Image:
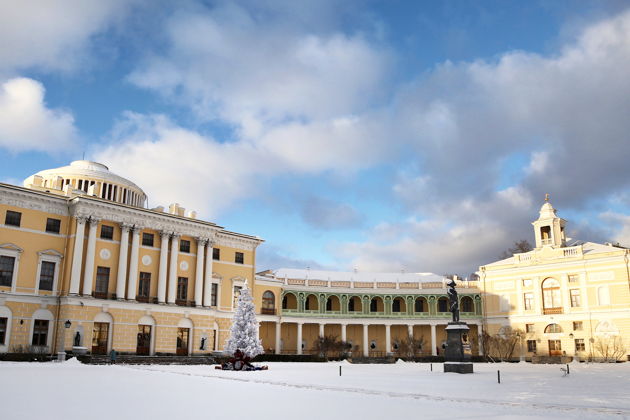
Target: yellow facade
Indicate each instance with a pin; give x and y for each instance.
(97, 265)
(566, 298)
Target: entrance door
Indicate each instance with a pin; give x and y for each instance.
(144, 340)
(100, 335)
(555, 349)
(182, 341)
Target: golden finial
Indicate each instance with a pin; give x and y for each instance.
(547, 197)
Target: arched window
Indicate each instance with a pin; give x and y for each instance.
(553, 329)
(398, 305)
(268, 303)
(552, 299)
(376, 304)
(442, 304)
(467, 304)
(354, 304)
(332, 303)
(310, 304)
(289, 301)
(420, 305)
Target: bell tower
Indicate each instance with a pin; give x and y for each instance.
(549, 228)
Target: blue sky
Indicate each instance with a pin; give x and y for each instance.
(381, 135)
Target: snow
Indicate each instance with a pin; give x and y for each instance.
(313, 391)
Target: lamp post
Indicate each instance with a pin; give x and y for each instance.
(61, 356)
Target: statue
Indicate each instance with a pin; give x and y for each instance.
(203, 343)
(77, 339)
(452, 300)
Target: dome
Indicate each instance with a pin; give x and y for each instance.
(89, 177)
(547, 211)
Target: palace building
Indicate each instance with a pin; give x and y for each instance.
(565, 297)
(373, 312)
(85, 266)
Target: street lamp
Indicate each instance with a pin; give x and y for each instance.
(61, 356)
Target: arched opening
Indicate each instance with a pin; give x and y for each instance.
(289, 301)
(184, 337)
(333, 304)
(553, 329)
(41, 329)
(376, 304)
(354, 304)
(102, 333)
(268, 303)
(442, 304)
(420, 305)
(552, 299)
(467, 304)
(398, 305)
(310, 303)
(146, 336)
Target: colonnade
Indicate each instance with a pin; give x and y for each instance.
(365, 336)
(127, 277)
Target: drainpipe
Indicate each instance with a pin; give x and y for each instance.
(62, 270)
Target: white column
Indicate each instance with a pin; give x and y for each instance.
(88, 274)
(299, 338)
(366, 349)
(278, 336)
(121, 278)
(343, 333)
(77, 257)
(480, 338)
(163, 267)
(172, 274)
(433, 341)
(133, 264)
(207, 282)
(321, 330)
(199, 274)
(410, 331)
(388, 339)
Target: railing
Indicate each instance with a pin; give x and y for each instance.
(571, 252)
(268, 311)
(552, 311)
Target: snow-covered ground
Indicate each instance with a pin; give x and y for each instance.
(305, 391)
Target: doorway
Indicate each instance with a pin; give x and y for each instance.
(183, 335)
(100, 334)
(143, 346)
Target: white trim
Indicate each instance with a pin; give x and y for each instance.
(44, 314)
(149, 320)
(106, 318)
(49, 255)
(5, 312)
(233, 263)
(41, 232)
(12, 250)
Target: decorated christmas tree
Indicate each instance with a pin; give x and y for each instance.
(244, 330)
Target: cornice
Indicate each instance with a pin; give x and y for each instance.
(25, 199)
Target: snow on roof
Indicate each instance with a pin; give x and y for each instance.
(358, 276)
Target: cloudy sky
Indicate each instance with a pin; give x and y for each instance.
(381, 135)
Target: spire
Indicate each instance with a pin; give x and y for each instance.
(549, 228)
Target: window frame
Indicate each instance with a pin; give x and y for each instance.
(528, 301)
(51, 256)
(580, 344)
(50, 223)
(146, 241)
(4, 329)
(216, 254)
(12, 250)
(11, 273)
(144, 283)
(182, 289)
(99, 280)
(531, 346)
(214, 294)
(239, 257)
(38, 330)
(109, 236)
(184, 246)
(578, 326)
(11, 216)
(575, 297)
(530, 328)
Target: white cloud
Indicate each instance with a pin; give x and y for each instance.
(27, 124)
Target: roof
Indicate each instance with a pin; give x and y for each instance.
(357, 276)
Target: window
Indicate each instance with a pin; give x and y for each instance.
(554, 347)
(575, 298)
(396, 305)
(184, 246)
(216, 254)
(239, 258)
(531, 346)
(53, 225)
(182, 288)
(529, 328)
(40, 332)
(528, 301)
(3, 329)
(144, 286)
(527, 282)
(578, 326)
(46, 275)
(147, 239)
(574, 278)
(442, 304)
(579, 344)
(107, 232)
(552, 329)
(213, 295)
(373, 305)
(7, 265)
(268, 303)
(328, 304)
(13, 218)
(237, 294)
(419, 305)
(467, 304)
(551, 294)
(102, 280)
(351, 305)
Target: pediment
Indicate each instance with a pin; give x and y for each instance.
(11, 247)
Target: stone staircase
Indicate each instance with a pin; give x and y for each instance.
(147, 360)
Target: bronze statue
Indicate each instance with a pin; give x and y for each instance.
(77, 339)
(452, 300)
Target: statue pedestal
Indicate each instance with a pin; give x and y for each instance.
(457, 355)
